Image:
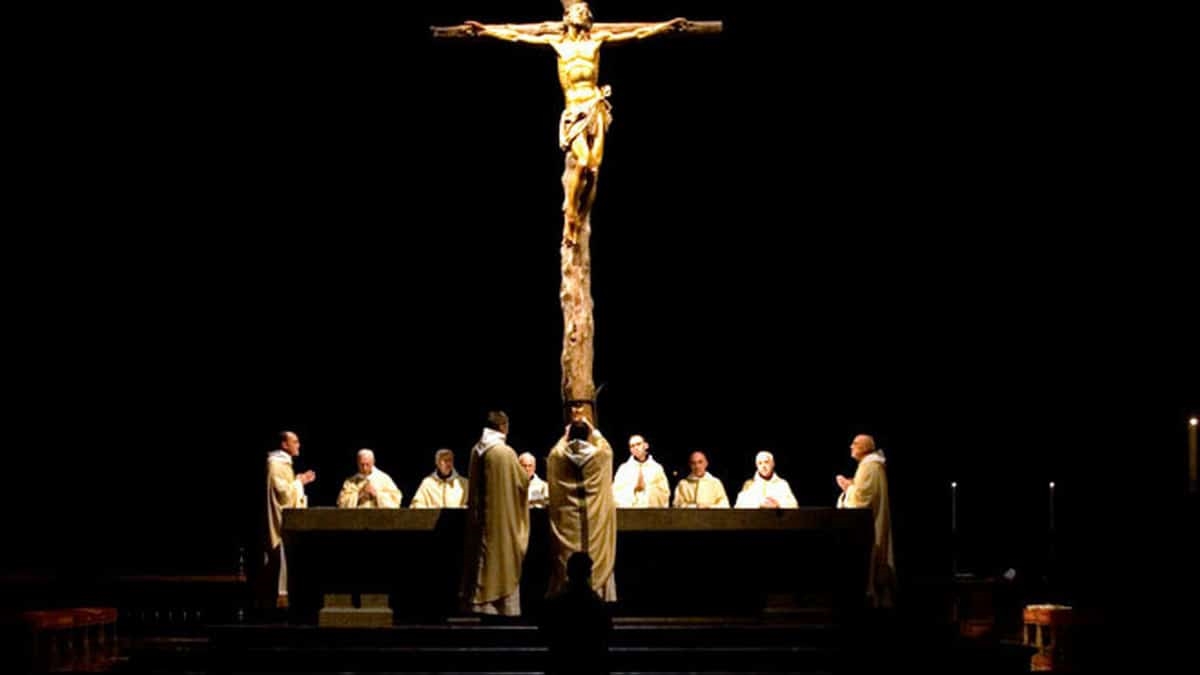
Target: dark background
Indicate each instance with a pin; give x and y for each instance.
(955, 229)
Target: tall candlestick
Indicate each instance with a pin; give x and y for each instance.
(1192, 424)
(1051, 507)
(954, 528)
(953, 507)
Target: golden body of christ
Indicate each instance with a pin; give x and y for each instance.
(586, 110)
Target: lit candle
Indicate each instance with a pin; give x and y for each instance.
(1052, 506)
(953, 507)
(1192, 424)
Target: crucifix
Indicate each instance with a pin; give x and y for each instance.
(586, 115)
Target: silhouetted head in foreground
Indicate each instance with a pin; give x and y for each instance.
(579, 569)
(576, 624)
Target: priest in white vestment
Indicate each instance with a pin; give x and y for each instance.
(766, 490)
(445, 488)
(641, 482)
(701, 489)
(869, 490)
(285, 490)
(370, 488)
(539, 491)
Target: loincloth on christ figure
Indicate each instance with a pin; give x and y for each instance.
(583, 118)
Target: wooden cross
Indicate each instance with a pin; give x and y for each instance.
(576, 41)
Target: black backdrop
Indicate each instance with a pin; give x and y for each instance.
(947, 228)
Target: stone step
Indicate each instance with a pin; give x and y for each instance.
(479, 635)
